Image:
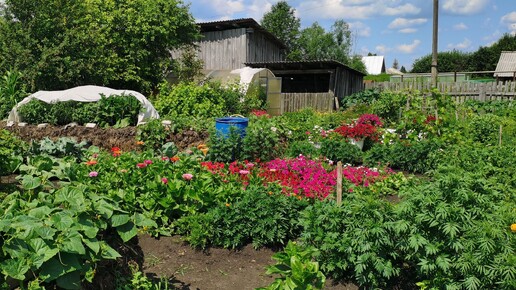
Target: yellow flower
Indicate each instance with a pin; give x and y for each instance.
(513, 228)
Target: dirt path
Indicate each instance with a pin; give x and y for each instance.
(218, 269)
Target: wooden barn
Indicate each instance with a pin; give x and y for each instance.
(231, 43)
(317, 84)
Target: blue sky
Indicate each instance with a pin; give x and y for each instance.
(397, 29)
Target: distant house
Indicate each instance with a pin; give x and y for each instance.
(229, 44)
(321, 81)
(506, 67)
(233, 44)
(375, 65)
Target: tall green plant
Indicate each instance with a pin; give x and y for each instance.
(12, 91)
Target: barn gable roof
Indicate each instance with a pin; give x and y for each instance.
(506, 64)
(375, 65)
(239, 23)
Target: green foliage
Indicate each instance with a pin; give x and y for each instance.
(486, 57)
(384, 77)
(353, 239)
(282, 22)
(108, 111)
(139, 281)
(262, 140)
(296, 269)
(303, 147)
(11, 150)
(455, 230)
(259, 216)
(414, 156)
(57, 237)
(485, 129)
(11, 92)
(315, 43)
(225, 148)
(205, 101)
(118, 44)
(153, 134)
(188, 67)
(63, 146)
(389, 105)
(337, 148)
(362, 97)
(448, 61)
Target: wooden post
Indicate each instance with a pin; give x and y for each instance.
(500, 137)
(339, 182)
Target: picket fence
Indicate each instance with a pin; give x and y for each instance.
(459, 91)
(321, 102)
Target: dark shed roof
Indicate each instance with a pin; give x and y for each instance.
(301, 65)
(239, 23)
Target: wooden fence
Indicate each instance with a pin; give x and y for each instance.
(460, 91)
(292, 102)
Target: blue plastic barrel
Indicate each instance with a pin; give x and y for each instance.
(223, 125)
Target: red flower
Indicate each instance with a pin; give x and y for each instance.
(141, 165)
(116, 151)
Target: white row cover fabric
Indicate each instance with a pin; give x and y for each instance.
(86, 94)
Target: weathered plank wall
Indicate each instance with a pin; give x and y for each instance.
(262, 49)
(460, 91)
(347, 82)
(292, 102)
(224, 49)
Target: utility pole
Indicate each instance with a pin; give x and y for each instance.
(434, 44)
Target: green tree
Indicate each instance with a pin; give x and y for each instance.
(448, 61)
(282, 22)
(486, 57)
(122, 44)
(357, 63)
(188, 66)
(403, 69)
(316, 43)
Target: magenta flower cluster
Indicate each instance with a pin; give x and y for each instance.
(300, 176)
(364, 176)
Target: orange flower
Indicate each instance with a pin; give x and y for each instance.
(91, 162)
(116, 151)
(174, 159)
(228, 204)
(513, 228)
(140, 142)
(204, 150)
(201, 146)
(270, 192)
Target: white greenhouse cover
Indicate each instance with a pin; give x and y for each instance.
(86, 94)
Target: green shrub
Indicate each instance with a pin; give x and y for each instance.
(63, 146)
(337, 148)
(204, 101)
(262, 140)
(305, 148)
(456, 230)
(11, 92)
(485, 128)
(153, 134)
(108, 111)
(11, 150)
(260, 217)
(296, 268)
(389, 105)
(225, 148)
(410, 155)
(362, 97)
(354, 239)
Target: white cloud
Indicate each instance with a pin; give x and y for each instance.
(510, 21)
(407, 30)
(464, 45)
(409, 48)
(460, 26)
(353, 9)
(382, 49)
(226, 7)
(405, 23)
(360, 29)
(464, 7)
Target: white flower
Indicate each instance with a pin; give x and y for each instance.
(274, 129)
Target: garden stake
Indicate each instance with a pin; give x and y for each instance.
(339, 182)
(500, 137)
